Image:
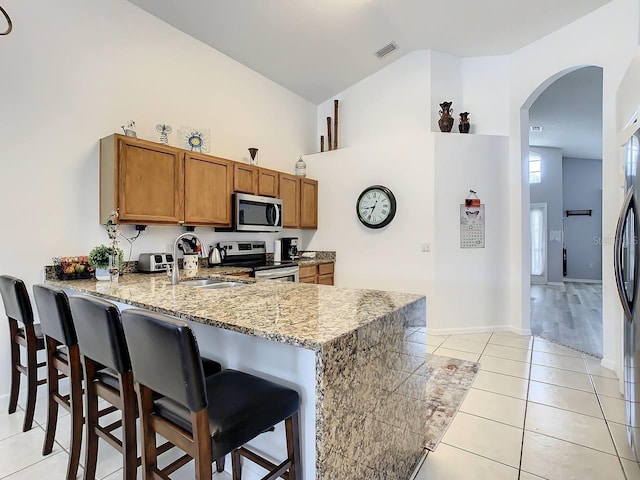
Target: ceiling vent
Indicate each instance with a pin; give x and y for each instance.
(536, 128)
(386, 50)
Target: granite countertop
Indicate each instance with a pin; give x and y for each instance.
(305, 315)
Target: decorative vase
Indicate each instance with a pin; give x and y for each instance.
(464, 125)
(253, 152)
(446, 120)
(102, 274)
(301, 168)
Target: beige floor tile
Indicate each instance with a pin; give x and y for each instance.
(473, 337)
(417, 337)
(573, 427)
(510, 353)
(470, 433)
(20, 451)
(559, 460)
(494, 406)
(511, 341)
(607, 386)
(529, 476)
(565, 398)
(559, 361)
(51, 466)
(447, 352)
(563, 378)
(541, 345)
(456, 343)
(11, 424)
(512, 334)
(450, 463)
(435, 340)
(594, 367)
(504, 366)
(431, 348)
(619, 433)
(614, 409)
(503, 384)
(631, 468)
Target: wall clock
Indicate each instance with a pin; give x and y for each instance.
(376, 206)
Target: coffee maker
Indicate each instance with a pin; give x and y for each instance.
(289, 248)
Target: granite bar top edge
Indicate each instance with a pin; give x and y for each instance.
(302, 315)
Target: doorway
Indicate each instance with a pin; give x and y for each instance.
(565, 196)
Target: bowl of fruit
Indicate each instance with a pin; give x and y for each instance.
(72, 268)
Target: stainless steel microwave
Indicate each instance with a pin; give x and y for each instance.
(253, 213)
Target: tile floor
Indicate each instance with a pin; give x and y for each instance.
(537, 410)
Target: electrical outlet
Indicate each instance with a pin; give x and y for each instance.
(426, 247)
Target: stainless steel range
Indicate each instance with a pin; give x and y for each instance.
(253, 254)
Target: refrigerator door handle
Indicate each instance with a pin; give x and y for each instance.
(627, 304)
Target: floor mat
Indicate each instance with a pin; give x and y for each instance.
(449, 382)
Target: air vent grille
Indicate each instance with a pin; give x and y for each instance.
(386, 50)
(536, 128)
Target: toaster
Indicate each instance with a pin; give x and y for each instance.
(154, 262)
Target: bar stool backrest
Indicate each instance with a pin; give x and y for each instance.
(99, 330)
(55, 314)
(165, 357)
(16, 299)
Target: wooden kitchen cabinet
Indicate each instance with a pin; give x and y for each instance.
(142, 180)
(267, 182)
(245, 178)
(208, 186)
(308, 203)
(289, 187)
(320, 274)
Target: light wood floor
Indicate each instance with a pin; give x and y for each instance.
(570, 314)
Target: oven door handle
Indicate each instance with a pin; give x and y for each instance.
(276, 273)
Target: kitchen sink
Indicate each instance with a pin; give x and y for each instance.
(211, 283)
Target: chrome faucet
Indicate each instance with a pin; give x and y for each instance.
(175, 275)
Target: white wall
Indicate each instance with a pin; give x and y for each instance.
(469, 283)
(608, 38)
(393, 101)
(446, 86)
(75, 71)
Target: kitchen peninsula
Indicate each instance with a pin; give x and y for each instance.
(344, 350)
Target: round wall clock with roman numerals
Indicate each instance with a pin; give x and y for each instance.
(376, 206)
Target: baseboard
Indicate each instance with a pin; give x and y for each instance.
(487, 329)
(581, 280)
(555, 284)
(606, 363)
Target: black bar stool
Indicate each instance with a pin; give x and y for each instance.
(206, 418)
(18, 308)
(107, 373)
(63, 360)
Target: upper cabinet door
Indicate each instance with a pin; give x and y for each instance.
(245, 178)
(149, 182)
(267, 182)
(208, 186)
(308, 203)
(290, 196)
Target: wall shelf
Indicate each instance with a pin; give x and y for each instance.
(577, 213)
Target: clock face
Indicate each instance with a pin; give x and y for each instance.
(376, 206)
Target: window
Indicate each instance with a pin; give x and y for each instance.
(535, 168)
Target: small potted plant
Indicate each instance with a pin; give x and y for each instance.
(100, 257)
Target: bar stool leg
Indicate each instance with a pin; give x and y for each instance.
(236, 466)
(77, 419)
(15, 361)
(292, 429)
(129, 448)
(91, 420)
(52, 388)
(32, 384)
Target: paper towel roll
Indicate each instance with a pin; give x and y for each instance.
(277, 251)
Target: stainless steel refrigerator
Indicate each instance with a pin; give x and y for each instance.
(626, 262)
